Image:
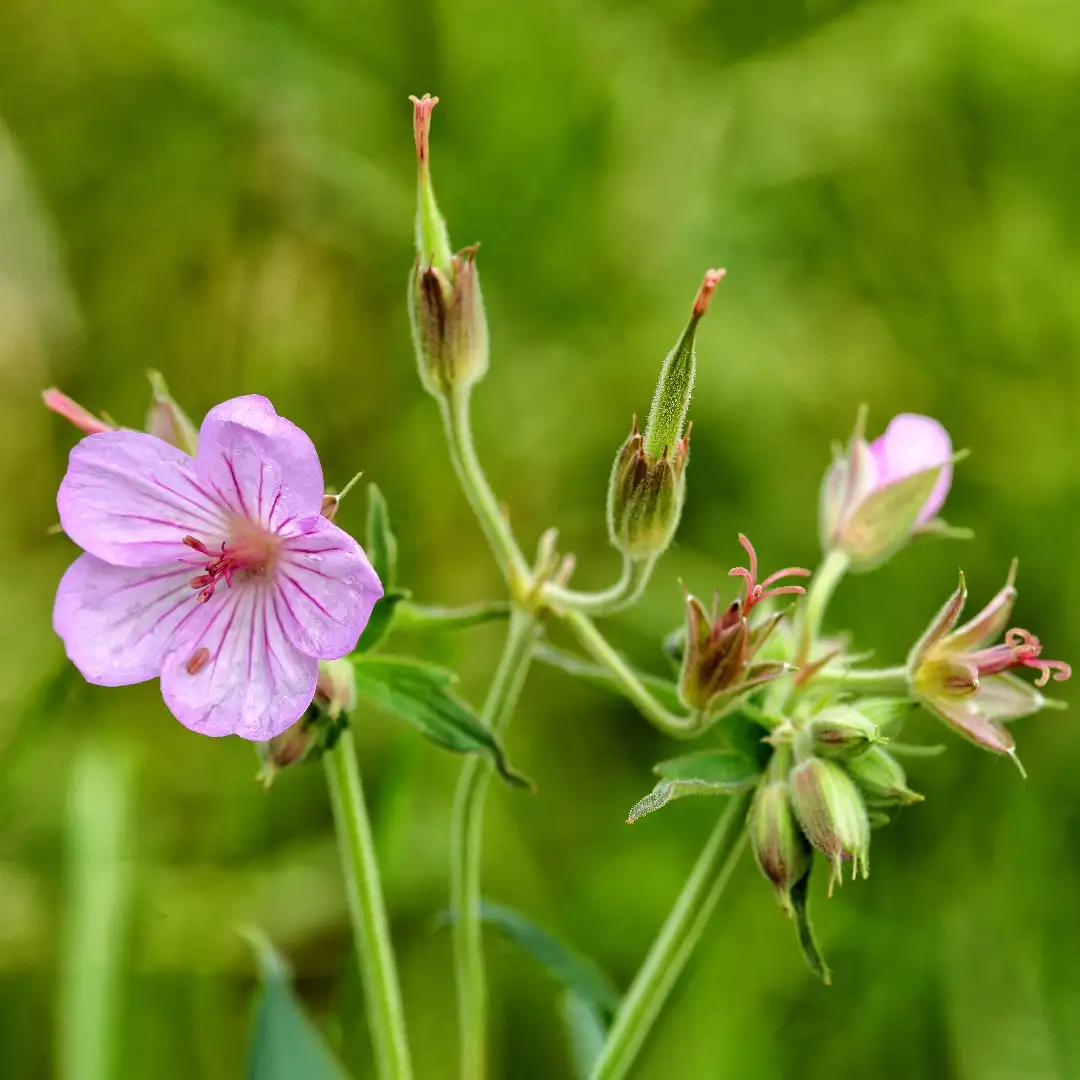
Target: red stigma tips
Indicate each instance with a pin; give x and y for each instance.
(708, 286)
(422, 108)
(197, 660)
(756, 592)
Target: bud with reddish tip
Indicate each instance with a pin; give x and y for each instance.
(671, 402)
(73, 412)
(167, 420)
(832, 813)
(446, 308)
(961, 676)
(719, 665)
(781, 850)
(877, 495)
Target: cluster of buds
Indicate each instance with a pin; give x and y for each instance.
(877, 495)
(719, 663)
(648, 479)
(840, 782)
(446, 309)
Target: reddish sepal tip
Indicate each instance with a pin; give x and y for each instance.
(708, 286)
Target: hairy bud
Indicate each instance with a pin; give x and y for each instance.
(832, 813)
(841, 733)
(167, 420)
(779, 846)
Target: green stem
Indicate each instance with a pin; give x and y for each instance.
(96, 913)
(626, 591)
(674, 944)
(822, 586)
(455, 412)
(466, 848)
(678, 727)
(371, 930)
(888, 681)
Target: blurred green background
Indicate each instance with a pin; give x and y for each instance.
(224, 191)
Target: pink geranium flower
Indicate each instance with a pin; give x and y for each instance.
(215, 573)
(879, 494)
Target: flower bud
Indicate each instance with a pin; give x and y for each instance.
(882, 779)
(167, 420)
(878, 495)
(319, 728)
(832, 813)
(671, 402)
(449, 328)
(74, 413)
(645, 497)
(841, 733)
(446, 308)
(779, 846)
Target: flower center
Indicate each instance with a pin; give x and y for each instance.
(248, 550)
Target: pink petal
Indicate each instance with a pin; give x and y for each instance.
(130, 498)
(259, 464)
(231, 670)
(327, 589)
(912, 443)
(116, 621)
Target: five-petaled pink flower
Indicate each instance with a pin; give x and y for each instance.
(216, 573)
(878, 494)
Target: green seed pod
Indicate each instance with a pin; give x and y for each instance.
(832, 813)
(882, 778)
(841, 733)
(781, 850)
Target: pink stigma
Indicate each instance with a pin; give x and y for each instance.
(422, 108)
(756, 592)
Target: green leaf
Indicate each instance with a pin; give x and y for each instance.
(664, 690)
(807, 941)
(586, 1031)
(575, 972)
(381, 544)
(708, 772)
(430, 617)
(383, 615)
(419, 694)
(284, 1044)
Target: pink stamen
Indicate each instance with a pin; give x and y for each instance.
(1021, 649)
(755, 592)
(422, 108)
(221, 567)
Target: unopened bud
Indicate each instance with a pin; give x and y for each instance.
(832, 813)
(841, 733)
(292, 747)
(449, 328)
(335, 689)
(780, 848)
(167, 420)
(671, 402)
(645, 497)
(882, 778)
(74, 413)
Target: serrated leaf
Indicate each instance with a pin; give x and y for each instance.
(664, 690)
(708, 772)
(420, 694)
(575, 972)
(284, 1043)
(807, 941)
(586, 1032)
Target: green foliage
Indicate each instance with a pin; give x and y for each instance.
(707, 772)
(284, 1045)
(420, 694)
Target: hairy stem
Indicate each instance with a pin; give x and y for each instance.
(889, 681)
(455, 412)
(678, 727)
(822, 586)
(371, 930)
(674, 944)
(466, 848)
(626, 591)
